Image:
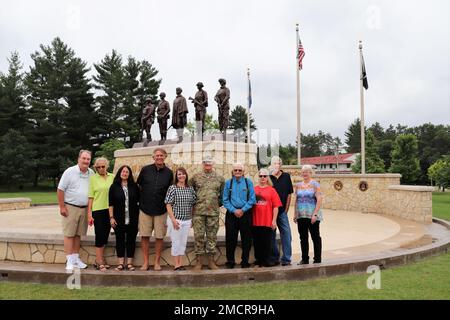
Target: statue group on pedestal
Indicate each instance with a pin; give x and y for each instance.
(180, 111)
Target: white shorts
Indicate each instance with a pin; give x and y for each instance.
(179, 237)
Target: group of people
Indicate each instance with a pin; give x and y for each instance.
(162, 202)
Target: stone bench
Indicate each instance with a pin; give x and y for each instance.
(14, 203)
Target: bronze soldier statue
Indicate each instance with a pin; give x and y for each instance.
(163, 115)
(148, 118)
(179, 114)
(223, 102)
(200, 102)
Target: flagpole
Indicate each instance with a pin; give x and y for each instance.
(299, 143)
(249, 134)
(363, 135)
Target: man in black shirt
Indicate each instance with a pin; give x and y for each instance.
(283, 185)
(153, 180)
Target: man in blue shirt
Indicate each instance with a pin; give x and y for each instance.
(238, 199)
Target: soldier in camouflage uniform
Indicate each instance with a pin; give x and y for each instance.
(209, 188)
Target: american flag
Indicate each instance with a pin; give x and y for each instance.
(300, 54)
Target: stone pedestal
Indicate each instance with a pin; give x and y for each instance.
(189, 154)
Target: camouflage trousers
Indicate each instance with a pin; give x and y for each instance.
(205, 226)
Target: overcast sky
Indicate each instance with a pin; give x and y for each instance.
(406, 50)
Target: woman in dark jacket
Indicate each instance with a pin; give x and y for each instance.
(124, 214)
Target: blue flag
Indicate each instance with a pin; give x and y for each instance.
(249, 94)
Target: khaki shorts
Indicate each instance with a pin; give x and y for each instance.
(75, 224)
(149, 223)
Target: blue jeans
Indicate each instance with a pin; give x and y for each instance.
(286, 239)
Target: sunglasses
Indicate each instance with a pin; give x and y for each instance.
(237, 170)
(262, 176)
(100, 167)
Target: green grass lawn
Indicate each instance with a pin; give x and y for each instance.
(43, 194)
(37, 197)
(441, 205)
(427, 279)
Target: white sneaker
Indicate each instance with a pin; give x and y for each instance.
(69, 265)
(80, 264)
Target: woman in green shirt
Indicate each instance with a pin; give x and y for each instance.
(98, 205)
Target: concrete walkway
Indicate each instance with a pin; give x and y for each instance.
(344, 233)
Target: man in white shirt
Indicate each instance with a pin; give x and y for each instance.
(73, 202)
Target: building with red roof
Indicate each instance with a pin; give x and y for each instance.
(340, 163)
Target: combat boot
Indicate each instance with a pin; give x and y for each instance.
(211, 264)
(198, 266)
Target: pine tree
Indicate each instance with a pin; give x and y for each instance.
(405, 158)
(384, 149)
(311, 146)
(131, 110)
(353, 137)
(315, 145)
(377, 130)
(13, 113)
(374, 164)
(238, 121)
(124, 89)
(141, 76)
(327, 143)
(60, 108)
(17, 157)
(110, 80)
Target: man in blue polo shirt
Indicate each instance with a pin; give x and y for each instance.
(238, 199)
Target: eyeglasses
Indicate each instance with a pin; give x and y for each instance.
(100, 167)
(237, 170)
(262, 176)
